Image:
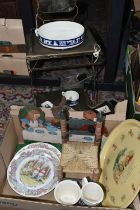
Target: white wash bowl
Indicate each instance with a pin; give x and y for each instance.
(60, 34)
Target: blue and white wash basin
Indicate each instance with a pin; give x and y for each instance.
(60, 34)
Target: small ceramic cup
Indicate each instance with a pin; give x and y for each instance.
(67, 192)
(92, 193)
(71, 96)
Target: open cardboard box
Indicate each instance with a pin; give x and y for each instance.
(11, 30)
(112, 120)
(15, 62)
(8, 198)
(13, 56)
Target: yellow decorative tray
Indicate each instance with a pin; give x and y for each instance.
(120, 163)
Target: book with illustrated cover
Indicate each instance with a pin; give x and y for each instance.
(38, 125)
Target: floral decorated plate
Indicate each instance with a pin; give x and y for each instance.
(120, 163)
(41, 145)
(33, 172)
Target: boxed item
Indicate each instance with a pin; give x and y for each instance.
(10, 199)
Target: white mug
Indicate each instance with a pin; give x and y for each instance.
(92, 193)
(67, 192)
(71, 96)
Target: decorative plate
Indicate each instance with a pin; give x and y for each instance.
(41, 145)
(120, 163)
(60, 34)
(33, 172)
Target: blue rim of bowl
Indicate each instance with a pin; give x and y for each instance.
(61, 43)
(72, 103)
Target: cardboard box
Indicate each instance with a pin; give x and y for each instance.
(14, 63)
(112, 120)
(8, 198)
(11, 30)
(137, 5)
(12, 58)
